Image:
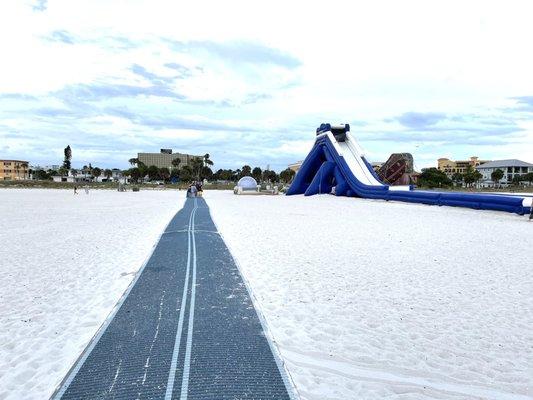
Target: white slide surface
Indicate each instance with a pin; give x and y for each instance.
(354, 165)
(353, 155)
(358, 154)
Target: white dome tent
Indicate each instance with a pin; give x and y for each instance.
(246, 184)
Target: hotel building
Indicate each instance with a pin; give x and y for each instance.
(164, 159)
(13, 170)
(450, 167)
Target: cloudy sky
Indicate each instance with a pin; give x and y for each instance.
(249, 81)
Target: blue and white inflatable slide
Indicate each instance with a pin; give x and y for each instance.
(336, 164)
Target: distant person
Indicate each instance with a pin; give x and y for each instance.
(199, 189)
(191, 191)
(75, 189)
(86, 189)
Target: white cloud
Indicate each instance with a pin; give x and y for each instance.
(359, 61)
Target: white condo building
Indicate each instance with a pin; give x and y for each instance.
(510, 168)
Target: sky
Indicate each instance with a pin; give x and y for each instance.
(248, 82)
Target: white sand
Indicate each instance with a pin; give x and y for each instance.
(366, 299)
(382, 300)
(65, 261)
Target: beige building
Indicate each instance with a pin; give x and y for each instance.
(13, 170)
(450, 167)
(295, 166)
(164, 158)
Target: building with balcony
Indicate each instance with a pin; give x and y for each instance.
(13, 170)
(450, 167)
(511, 169)
(164, 159)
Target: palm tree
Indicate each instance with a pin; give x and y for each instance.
(186, 173)
(176, 162)
(477, 177)
(62, 171)
(457, 178)
(207, 161)
(96, 173)
(496, 176)
(135, 174)
(516, 180)
(85, 171)
(196, 164)
(143, 170)
(133, 161)
(246, 170)
(528, 177)
(286, 175)
(164, 173)
(257, 173)
(68, 157)
(153, 172)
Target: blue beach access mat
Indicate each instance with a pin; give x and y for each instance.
(185, 329)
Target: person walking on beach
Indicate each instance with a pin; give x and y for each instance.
(199, 189)
(86, 189)
(75, 189)
(191, 190)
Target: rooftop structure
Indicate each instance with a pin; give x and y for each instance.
(506, 164)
